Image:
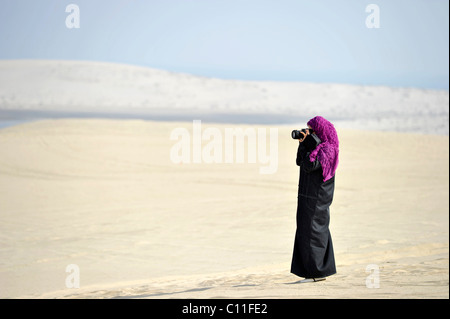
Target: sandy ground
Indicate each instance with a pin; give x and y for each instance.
(104, 195)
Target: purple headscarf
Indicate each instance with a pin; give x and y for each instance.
(326, 152)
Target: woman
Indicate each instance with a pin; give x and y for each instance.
(313, 256)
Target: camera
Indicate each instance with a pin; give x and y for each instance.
(297, 134)
(310, 141)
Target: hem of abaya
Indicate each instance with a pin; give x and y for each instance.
(313, 275)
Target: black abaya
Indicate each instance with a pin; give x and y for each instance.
(313, 255)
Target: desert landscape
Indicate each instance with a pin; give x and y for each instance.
(87, 179)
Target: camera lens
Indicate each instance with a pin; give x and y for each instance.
(296, 134)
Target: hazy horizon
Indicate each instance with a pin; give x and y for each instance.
(320, 42)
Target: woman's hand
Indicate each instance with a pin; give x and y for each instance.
(304, 136)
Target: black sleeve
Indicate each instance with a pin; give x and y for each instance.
(301, 154)
(303, 160)
(309, 166)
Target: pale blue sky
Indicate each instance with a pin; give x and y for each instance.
(290, 40)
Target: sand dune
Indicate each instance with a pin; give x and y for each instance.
(104, 195)
(47, 88)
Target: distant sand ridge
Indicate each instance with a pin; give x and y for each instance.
(39, 88)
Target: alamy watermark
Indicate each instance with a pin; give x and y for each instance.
(227, 147)
(373, 19)
(373, 280)
(73, 19)
(73, 279)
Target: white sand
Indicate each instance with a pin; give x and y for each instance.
(104, 195)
